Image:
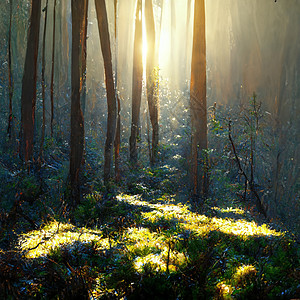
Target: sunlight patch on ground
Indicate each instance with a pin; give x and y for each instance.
(154, 261)
(244, 273)
(158, 262)
(242, 227)
(237, 211)
(142, 239)
(39, 243)
(197, 223)
(152, 250)
(166, 221)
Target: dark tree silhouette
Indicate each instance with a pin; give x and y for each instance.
(77, 122)
(43, 82)
(110, 88)
(84, 57)
(52, 67)
(28, 97)
(118, 129)
(10, 76)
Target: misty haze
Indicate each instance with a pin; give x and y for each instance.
(150, 149)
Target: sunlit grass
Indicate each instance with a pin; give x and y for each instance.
(201, 224)
(154, 261)
(161, 238)
(154, 245)
(40, 242)
(244, 274)
(224, 290)
(152, 249)
(140, 239)
(176, 218)
(237, 211)
(56, 234)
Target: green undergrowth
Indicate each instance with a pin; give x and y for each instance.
(144, 238)
(150, 242)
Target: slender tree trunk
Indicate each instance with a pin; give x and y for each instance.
(137, 81)
(159, 31)
(110, 88)
(10, 76)
(118, 141)
(188, 37)
(61, 63)
(43, 82)
(52, 67)
(174, 64)
(77, 121)
(198, 101)
(152, 78)
(84, 56)
(118, 129)
(28, 97)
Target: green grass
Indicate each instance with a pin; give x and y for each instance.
(159, 248)
(146, 240)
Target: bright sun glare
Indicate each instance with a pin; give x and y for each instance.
(145, 49)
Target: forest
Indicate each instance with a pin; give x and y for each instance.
(149, 149)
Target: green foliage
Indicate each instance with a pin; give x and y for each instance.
(159, 249)
(29, 186)
(89, 211)
(144, 239)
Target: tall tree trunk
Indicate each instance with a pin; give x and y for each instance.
(77, 121)
(152, 77)
(43, 82)
(174, 64)
(117, 143)
(198, 101)
(188, 37)
(62, 61)
(118, 129)
(10, 76)
(28, 97)
(110, 88)
(52, 67)
(137, 81)
(84, 56)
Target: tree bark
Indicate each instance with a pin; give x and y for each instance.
(10, 76)
(118, 129)
(152, 78)
(137, 81)
(84, 57)
(110, 88)
(77, 121)
(28, 96)
(62, 62)
(52, 67)
(43, 82)
(198, 102)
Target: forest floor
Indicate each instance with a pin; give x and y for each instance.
(145, 239)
